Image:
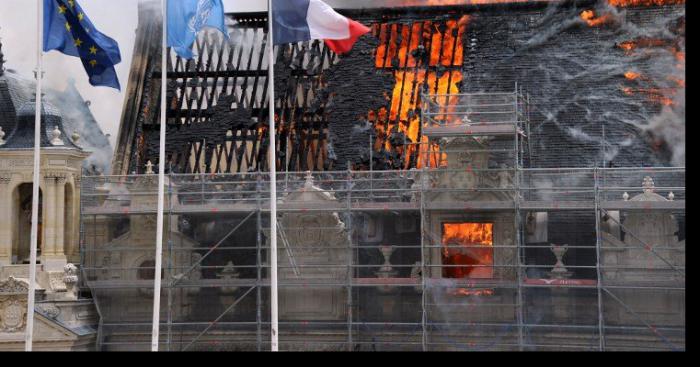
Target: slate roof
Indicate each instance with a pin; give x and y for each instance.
(16, 105)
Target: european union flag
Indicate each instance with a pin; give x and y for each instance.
(68, 30)
(187, 17)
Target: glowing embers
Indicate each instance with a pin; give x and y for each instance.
(465, 292)
(626, 3)
(642, 42)
(593, 20)
(467, 250)
(424, 57)
(654, 89)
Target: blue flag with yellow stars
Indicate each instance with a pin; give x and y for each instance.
(68, 30)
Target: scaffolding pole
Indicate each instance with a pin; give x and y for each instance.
(423, 273)
(258, 262)
(351, 254)
(599, 261)
(519, 248)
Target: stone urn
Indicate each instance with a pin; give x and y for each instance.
(559, 271)
(386, 271)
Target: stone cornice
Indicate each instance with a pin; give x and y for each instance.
(56, 175)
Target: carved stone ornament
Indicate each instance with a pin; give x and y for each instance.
(5, 178)
(56, 137)
(13, 315)
(50, 310)
(648, 185)
(56, 281)
(70, 278)
(13, 286)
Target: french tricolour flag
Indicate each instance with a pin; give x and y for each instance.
(304, 20)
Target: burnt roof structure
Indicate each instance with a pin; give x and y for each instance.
(595, 85)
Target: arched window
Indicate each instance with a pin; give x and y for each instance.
(147, 270)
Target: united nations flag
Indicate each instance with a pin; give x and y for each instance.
(186, 18)
(68, 30)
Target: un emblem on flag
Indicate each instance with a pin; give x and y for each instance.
(204, 8)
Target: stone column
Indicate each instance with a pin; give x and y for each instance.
(6, 223)
(74, 246)
(49, 221)
(52, 256)
(59, 248)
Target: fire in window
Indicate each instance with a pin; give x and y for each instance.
(467, 250)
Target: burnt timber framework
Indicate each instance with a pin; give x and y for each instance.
(218, 111)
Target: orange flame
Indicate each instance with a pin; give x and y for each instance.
(472, 292)
(468, 244)
(446, 49)
(592, 20)
(662, 96)
(626, 3)
(643, 43)
(631, 75)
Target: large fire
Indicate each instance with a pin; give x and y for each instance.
(428, 56)
(468, 244)
(422, 55)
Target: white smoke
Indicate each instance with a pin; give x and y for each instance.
(664, 74)
(115, 19)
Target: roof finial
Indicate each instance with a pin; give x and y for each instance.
(56, 136)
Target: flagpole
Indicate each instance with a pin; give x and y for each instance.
(29, 331)
(161, 181)
(272, 161)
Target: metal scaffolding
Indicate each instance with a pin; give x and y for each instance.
(386, 281)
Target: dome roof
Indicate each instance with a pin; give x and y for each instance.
(28, 109)
(53, 134)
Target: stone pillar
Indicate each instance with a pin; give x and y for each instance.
(59, 248)
(6, 223)
(52, 256)
(73, 247)
(49, 221)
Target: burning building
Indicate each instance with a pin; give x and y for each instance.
(474, 175)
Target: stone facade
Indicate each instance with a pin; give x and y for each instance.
(60, 192)
(62, 320)
(307, 242)
(649, 255)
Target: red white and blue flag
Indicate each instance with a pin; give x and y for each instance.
(304, 20)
